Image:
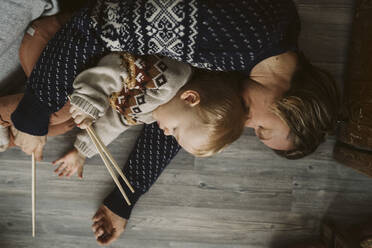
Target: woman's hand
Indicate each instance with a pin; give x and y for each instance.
(29, 143)
(107, 226)
(82, 119)
(70, 163)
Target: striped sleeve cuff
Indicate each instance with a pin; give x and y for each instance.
(85, 106)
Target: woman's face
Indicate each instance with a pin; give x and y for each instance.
(269, 128)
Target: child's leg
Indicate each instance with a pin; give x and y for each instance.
(61, 128)
(61, 121)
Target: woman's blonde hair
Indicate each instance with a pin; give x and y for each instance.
(221, 109)
(310, 108)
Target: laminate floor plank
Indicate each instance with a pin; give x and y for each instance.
(244, 197)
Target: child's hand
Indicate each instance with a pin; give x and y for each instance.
(70, 163)
(82, 119)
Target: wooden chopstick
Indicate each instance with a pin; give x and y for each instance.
(109, 156)
(33, 194)
(103, 152)
(106, 162)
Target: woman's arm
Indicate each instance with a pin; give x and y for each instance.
(217, 35)
(152, 153)
(74, 48)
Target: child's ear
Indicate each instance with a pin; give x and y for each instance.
(191, 97)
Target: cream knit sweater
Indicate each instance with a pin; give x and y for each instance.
(93, 88)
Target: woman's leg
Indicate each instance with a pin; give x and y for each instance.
(36, 38)
(33, 43)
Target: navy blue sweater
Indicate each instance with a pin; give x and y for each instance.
(217, 35)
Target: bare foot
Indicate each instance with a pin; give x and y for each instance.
(107, 226)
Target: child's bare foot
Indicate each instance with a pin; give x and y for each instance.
(70, 163)
(107, 226)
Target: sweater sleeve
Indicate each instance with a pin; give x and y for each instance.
(108, 128)
(93, 87)
(73, 48)
(153, 151)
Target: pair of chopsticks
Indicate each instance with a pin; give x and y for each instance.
(106, 157)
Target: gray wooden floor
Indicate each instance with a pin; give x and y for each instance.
(244, 197)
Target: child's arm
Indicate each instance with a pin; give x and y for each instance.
(108, 128)
(93, 87)
(82, 119)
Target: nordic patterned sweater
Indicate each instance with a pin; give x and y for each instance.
(225, 35)
(217, 35)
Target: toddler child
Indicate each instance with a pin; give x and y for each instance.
(203, 110)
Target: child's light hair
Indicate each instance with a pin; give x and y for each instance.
(221, 109)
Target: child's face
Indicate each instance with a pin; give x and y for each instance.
(179, 118)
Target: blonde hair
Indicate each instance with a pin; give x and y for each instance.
(310, 108)
(221, 109)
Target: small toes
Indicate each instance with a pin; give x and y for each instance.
(58, 161)
(70, 173)
(64, 172)
(60, 168)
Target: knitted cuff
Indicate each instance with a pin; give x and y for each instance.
(85, 106)
(116, 202)
(31, 116)
(84, 148)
